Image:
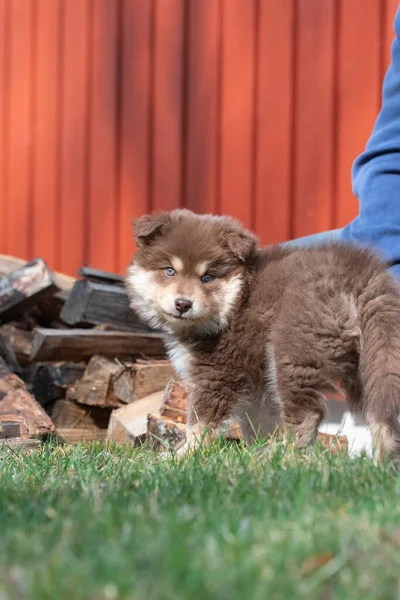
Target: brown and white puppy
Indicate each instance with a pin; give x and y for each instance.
(265, 332)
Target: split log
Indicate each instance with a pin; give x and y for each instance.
(9, 428)
(121, 388)
(20, 341)
(335, 443)
(113, 383)
(175, 402)
(80, 344)
(175, 405)
(163, 433)
(7, 353)
(14, 398)
(150, 376)
(51, 380)
(21, 289)
(50, 307)
(98, 302)
(100, 276)
(234, 432)
(15, 417)
(77, 424)
(129, 424)
(67, 414)
(104, 383)
(80, 436)
(8, 264)
(20, 444)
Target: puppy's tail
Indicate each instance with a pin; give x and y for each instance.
(379, 366)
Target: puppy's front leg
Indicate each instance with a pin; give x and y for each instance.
(197, 435)
(208, 411)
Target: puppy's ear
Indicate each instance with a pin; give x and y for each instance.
(146, 228)
(243, 244)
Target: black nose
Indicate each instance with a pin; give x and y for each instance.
(183, 305)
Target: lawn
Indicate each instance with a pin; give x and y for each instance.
(96, 522)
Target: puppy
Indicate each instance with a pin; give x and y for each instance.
(264, 333)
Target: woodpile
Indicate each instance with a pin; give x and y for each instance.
(76, 363)
(71, 352)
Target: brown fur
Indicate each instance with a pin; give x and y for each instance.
(300, 320)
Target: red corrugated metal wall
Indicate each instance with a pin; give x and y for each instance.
(110, 108)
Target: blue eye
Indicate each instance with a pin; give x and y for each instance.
(207, 278)
(169, 272)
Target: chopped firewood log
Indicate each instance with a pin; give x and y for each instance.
(163, 433)
(96, 388)
(8, 264)
(327, 440)
(9, 429)
(20, 444)
(22, 288)
(234, 432)
(15, 398)
(121, 388)
(108, 382)
(80, 344)
(51, 380)
(7, 353)
(129, 424)
(80, 436)
(50, 307)
(100, 276)
(175, 401)
(70, 372)
(335, 443)
(20, 341)
(175, 404)
(67, 414)
(101, 301)
(150, 376)
(14, 417)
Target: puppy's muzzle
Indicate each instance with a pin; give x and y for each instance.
(183, 305)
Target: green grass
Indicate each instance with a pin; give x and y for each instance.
(98, 522)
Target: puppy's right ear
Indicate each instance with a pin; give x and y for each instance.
(146, 228)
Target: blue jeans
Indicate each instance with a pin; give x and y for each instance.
(315, 238)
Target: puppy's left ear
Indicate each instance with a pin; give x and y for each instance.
(243, 244)
(148, 227)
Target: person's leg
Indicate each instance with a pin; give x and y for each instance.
(314, 239)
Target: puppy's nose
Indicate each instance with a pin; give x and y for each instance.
(183, 305)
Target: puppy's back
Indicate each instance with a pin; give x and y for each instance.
(339, 318)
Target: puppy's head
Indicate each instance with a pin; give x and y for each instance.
(189, 270)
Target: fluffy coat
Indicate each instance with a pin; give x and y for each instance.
(263, 333)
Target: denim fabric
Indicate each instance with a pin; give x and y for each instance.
(376, 172)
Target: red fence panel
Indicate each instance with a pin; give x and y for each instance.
(103, 201)
(4, 92)
(72, 234)
(46, 156)
(202, 112)
(167, 105)
(20, 127)
(274, 120)
(237, 109)
(358, 67)
(111, 108)
(134, 158)
(314, 116)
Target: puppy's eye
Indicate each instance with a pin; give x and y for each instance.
(207, 278)
(169, 272)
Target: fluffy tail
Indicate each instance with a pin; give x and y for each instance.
(379, 367)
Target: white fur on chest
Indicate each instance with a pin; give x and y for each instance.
(271, 382)
(181, 358)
